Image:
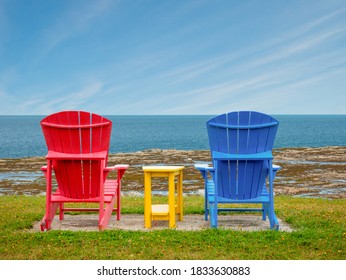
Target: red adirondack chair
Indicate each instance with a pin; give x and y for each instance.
(78, 144)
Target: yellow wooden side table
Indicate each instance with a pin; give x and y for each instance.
(163, 211)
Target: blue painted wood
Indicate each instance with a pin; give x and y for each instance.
(241, 145)
(256, 156)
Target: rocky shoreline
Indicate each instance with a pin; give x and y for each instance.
(310, 172)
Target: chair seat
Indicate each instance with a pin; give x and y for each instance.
(111, 187)
(263, 198)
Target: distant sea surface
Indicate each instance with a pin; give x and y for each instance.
(21, 136)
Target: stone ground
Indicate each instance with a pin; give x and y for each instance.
(135, 222)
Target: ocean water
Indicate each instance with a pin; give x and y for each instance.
(21, 136)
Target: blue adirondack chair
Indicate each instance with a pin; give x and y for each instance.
(241, 149)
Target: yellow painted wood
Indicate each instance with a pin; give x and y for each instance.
(164, 212)
(180, 196)
(147, 199)
(160, 209)
(163, 168)
(171, 200)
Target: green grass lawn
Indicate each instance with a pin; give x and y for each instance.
(319, 234)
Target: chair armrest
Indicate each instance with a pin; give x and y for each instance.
(121, 168)
(203, 167)
(276, 167)
(116, 167)
(44, 170)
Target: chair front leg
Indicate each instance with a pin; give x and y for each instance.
(49, 215)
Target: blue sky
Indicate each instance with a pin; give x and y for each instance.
(134, 57)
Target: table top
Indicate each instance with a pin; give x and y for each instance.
(162, 168)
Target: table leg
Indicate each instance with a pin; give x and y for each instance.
(147, 200)
(180, 195)
(171, 200)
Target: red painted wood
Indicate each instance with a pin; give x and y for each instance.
(78, 144)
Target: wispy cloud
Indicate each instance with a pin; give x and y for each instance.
(284, 49)
(51, 102)
(76, 99)
(315, 25)
(70, 24)
(160, 60)
(279, 65)
(193, 70)
(294, 48)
